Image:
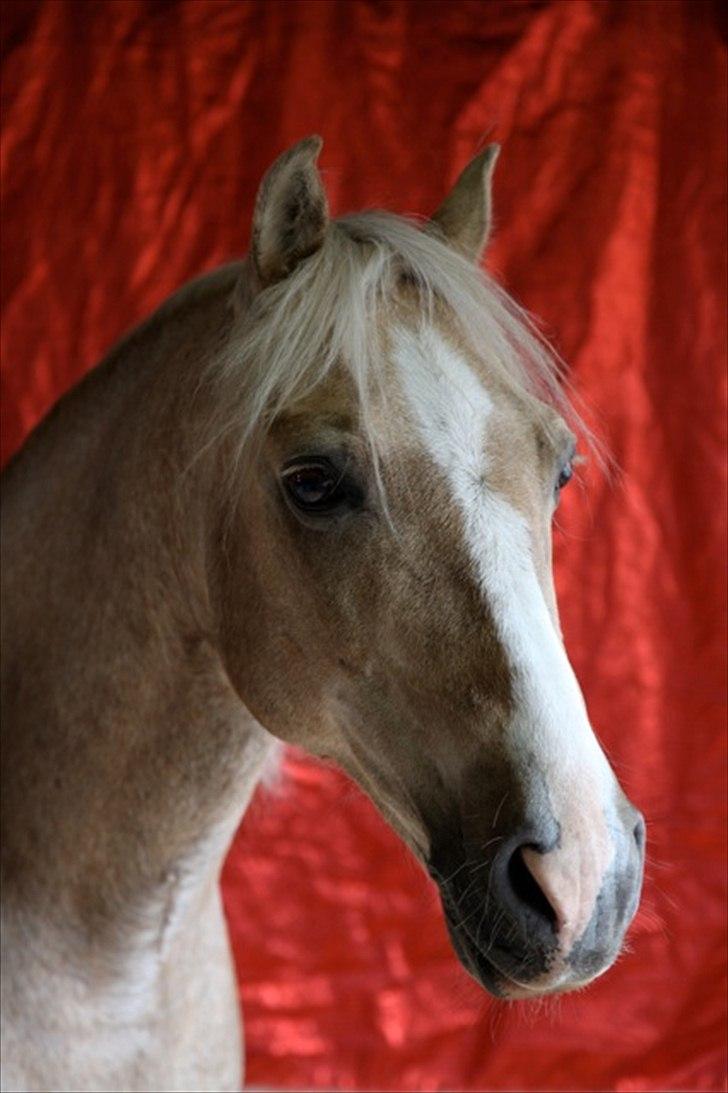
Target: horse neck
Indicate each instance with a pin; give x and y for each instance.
(129, 759)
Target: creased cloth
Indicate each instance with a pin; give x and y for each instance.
(134, 137)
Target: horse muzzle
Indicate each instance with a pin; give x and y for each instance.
(541, 916)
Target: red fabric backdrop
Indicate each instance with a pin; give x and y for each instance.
(134, 138)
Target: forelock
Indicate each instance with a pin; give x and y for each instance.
(332, 310)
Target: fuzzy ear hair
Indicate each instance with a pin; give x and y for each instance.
(291, 212)
(464, 218)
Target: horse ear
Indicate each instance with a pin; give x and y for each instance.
(464, 217)
(291, 212)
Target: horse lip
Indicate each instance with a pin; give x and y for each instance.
(476, 961)
(481, 963)
(486, 971)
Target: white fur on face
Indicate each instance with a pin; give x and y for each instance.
(450, 408)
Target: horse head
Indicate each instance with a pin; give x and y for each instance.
(386, 594)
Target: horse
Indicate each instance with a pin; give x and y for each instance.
(308, 501)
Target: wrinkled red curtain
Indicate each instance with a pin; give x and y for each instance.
(134, 136)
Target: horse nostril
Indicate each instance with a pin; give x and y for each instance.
(526, 889)
(639, 833)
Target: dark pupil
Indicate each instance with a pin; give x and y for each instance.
(310, 485)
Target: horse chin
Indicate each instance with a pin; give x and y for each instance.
(476, 963)
(485, 971)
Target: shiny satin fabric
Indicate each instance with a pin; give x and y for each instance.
(134, 136)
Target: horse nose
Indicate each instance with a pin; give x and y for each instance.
(638, 832)
(520, 891)
(561, 892)
(552, 891)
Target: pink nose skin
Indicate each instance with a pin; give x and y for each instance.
(571, 877)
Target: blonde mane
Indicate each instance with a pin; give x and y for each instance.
(286, 340)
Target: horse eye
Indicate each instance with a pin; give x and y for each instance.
(315, 487)
(567, 473)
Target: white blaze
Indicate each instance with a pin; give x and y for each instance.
(450, 408)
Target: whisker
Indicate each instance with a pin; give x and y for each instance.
(498, 810)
